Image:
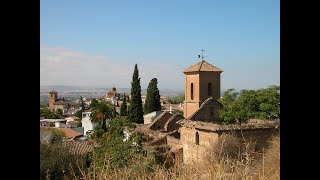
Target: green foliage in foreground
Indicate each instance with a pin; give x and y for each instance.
(112, 143)
(261, 103)
(56, 162)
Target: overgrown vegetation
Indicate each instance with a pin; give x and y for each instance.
(141, 166)
(55, 160)
(262, 103)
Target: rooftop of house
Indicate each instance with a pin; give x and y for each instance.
(202, 66)
(52, 120)
(251, 124)
(60, 102)
(69, 133)
(80, 147)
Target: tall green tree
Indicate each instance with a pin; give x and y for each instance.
(94, 103)
(153, 97)
(135, 108)
(101, 113)
(124, 108)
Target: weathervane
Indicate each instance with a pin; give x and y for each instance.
(201, 54)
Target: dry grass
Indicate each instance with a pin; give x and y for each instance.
(218, 166)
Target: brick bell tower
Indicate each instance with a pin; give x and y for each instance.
(202, 80)
(53, 96)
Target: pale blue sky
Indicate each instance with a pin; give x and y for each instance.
(97, 43)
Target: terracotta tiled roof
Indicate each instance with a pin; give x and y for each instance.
(70, 133)
(202, 66)
(80, 147)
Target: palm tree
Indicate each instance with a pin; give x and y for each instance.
(101, 113)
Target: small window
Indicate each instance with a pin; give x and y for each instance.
(158, 127)
(197, 138)
(209, 89)
(191, 91)
(211, 111)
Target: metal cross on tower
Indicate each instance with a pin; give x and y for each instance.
(201, 55)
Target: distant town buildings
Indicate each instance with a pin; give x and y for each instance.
(68, 107)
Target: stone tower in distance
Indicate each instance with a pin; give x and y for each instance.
(202, 80)
(53, 96)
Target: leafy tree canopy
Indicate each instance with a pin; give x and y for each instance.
(262, 103)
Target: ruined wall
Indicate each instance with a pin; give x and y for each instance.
(191, 151)
(172, 141)
(160, 121)
(209, 142)
(255, 139)
(171, 124)
(209, 112)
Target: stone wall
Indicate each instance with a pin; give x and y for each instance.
(160, 121)
(171, 124)
(172, 141)
(209, 141)
(208, 112)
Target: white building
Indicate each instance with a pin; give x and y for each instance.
(148, 118)
(58, 123)
(86, 123)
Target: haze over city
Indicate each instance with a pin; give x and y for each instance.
(97, 43)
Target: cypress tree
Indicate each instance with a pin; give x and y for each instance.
(153, 97)
(123, 108)
(135, 108)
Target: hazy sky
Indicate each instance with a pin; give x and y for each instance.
(97, 43)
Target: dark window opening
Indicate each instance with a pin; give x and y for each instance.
(158, 127)
(209, 89)
(191, 91)
(211, 111)
(197, 138)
